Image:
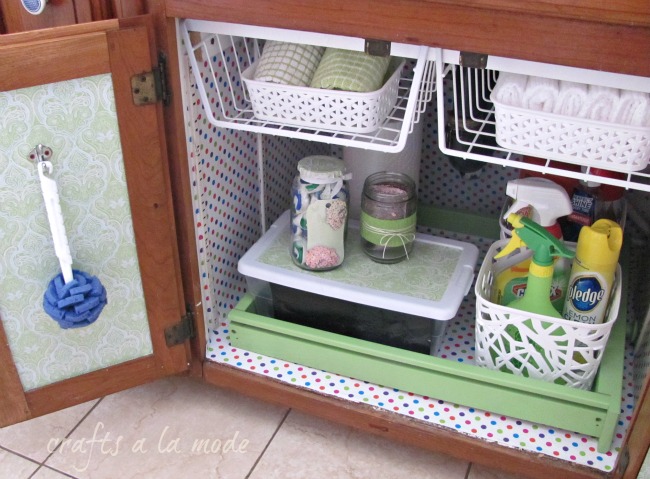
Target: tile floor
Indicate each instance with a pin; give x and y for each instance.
(179, 428)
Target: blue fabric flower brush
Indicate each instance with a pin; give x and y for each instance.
(73, 298)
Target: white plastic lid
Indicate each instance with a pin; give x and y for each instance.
(432, 286)
(321, 169)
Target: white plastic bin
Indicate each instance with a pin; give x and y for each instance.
(534, 345)
(346, 111)
(362, 298)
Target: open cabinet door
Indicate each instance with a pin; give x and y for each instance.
(70, 88)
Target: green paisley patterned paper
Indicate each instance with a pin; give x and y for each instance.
(425, 276)
(77, 119)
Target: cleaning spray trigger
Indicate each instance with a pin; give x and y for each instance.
(545, 248)
(539, 199)
(513, 245)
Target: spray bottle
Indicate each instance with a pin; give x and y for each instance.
(592, 274)
(545, 247)
(544, 202)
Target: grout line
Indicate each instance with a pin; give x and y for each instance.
(27, 458)
(43, 466)
(36, 463)
(76, 426)
(268, 444)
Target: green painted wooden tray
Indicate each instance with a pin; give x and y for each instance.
(594, 412)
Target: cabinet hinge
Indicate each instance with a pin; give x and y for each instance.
(182, 331)
(473, 60)
(378, 48)
(151, 87)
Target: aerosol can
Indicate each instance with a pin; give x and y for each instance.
(592, 273)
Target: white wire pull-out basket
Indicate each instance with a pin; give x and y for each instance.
(224, 56)
(470, 126)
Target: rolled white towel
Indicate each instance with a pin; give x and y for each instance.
(633, 109)
(570, 99)
(601, 102)
(509, 89)
(541, 94)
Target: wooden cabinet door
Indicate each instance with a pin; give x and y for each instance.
(70, 88)
(54, 14)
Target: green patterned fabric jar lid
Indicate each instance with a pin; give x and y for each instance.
(321, 169)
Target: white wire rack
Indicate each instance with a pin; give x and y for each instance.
(466, 115)
(224, 51)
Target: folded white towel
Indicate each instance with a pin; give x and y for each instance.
(633, 109)
(601, 103)
(541, 94)
(571, 98)
(509, 89)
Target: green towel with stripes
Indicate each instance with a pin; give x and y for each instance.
(350, 71)
(288, 63)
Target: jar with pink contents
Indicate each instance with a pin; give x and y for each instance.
(388, 216)
(319, 213)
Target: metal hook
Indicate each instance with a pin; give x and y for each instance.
(41, 155)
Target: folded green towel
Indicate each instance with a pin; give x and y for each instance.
(288, 63)
(350, 71)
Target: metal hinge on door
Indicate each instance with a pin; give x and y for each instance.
(151, 87)
(182, 331)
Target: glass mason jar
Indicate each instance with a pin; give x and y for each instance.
(319, 213)
(388, 216)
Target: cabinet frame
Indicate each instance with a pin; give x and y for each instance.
(610, 38)
(592, 32)
(598, 37)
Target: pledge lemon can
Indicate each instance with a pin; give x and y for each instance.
(592, 272)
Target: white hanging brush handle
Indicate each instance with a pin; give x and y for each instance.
(51, 196)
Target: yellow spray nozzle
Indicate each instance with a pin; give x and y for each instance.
(513, 245)
(515, 220)
(528, 233)
(515, 241)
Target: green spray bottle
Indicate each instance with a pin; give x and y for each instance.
(545, 247)
(536, 298)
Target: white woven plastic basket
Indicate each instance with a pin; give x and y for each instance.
(537, 346)
(316, 108)
(574, 140)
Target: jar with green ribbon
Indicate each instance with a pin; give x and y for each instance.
(388, 216)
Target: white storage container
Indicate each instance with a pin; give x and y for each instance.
(421, 293)
(574, 140)
(347, 111)
(477, 128)
(534, 345)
